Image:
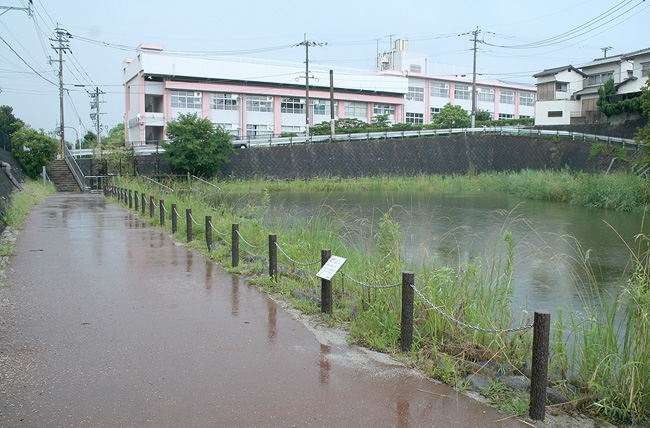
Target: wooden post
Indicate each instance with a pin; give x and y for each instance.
(151, 206)
(408, 279)
(188, 223)
(235, 244)
(539, 367)
(273, 256)
(208, 232)
(136, 199)
(325, 285)
(130, 199)
(144, 203)
(174, 219)
(162, 212)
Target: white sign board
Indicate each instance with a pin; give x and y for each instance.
(330, 268)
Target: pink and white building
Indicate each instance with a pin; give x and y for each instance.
(252, 98)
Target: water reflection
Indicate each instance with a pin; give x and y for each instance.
(324, 365)
(565, 255)
(403, 413)
(272, 321)
(208, 274)
(234, 296)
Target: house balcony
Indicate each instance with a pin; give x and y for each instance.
(153, 119)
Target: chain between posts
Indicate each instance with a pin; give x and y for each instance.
(368, 285)
(192, 218)
(166, 210)
(178, 215)
(251, 245)
(295, 261)
(471, 327)
(219, 233)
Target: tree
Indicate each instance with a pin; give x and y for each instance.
(115, 136)
(39, 149)
(483, 116)
(381, 121)
(8, 122)
(196, 145)
(89, 141)
(452, 117)
(644, 133)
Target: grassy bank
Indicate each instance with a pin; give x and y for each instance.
(605, 361)
(617, 191)
(16, 212)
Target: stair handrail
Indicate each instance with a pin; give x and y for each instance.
(75, 169)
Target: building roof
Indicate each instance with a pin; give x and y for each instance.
(553, 71)
(587, 91)
(640, 52)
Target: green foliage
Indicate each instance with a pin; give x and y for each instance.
(483, 115)
(196, 145)
(389, 239)
(89, 140)
(8, 122)
(116, 137)
(632, 105)
(381, 121)
(452, 117)
(644, 133)
(39, 149)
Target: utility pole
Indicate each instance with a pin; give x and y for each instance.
(605, 49)
(332, 122)
(307, 43)
(475, 40)
(27, 9)
(61, 39)
(95, 103)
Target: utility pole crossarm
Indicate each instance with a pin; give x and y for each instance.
(60, 44)
(307, 43)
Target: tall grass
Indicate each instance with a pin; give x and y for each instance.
(20, 202)
(607, 354)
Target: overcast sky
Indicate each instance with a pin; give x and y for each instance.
(522, 37)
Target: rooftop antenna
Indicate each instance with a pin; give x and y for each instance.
(605, 49)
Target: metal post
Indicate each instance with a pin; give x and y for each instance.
(539, 366)
(273, 255)
(174, 219)
(325, 285)
(235, 244)
(136, 199)
(162, 212)
(188, 223)
(408, 279)
(151, 206)
(208, 232)
(130, 199)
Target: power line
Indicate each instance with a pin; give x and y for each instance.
(26, 63)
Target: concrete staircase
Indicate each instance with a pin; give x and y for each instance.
(62, 177)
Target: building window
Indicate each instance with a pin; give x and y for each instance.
(415, 118)
(322, 107)
(506, 97)
(555, 114)
(561, 87)
(230, 128)
(463, 92)
(439, 90)
(291, 129)
(415, 94)
(435, 111)
(645, 67)
(485, 94)
(506, 116)
(598, 79)
(414, 68)
(259, 130)
(521, 116)
(223, 101)
(358, 110)
(292, 105)
(259, 103)
(187, 99)
(388, 109)
(526, 99)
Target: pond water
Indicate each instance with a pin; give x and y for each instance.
(553, 240)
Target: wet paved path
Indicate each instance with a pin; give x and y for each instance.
(108, 323)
